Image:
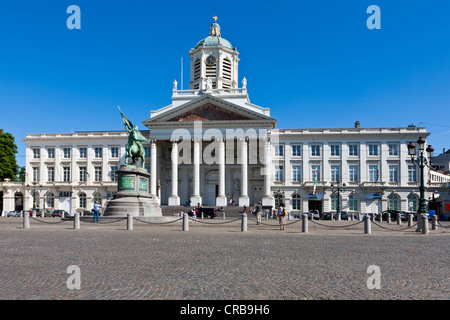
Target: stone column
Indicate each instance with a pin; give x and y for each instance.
(244, 199)
(174, 199)
(153, 158)
(221, 200)
(268, 198)
(196, 198)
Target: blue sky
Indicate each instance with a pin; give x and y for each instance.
(314, 63)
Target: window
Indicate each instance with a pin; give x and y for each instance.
(50, 200)
(315, 150)
(334, 201)
(278, 199)
(66, 153)
(353, 202)
(226, 66)
(83, 174)
(148, 151)
(373, 173)
(113, 173)
(297, 173)
(51, 174)
(353, 174)
(393, 173)
(66, 174)
(114, 152)
(335, 150)
(352, 149)
(335, 173)
(412, 174)
(296, 150)
(392, 202)
(83, 153)
(296, 202)
(393, 149)
(36, 153)
(279, 174)
(82, 200)
(97, 197)
(373, 149)
(51, 153)
(315, 172)
(98, 174)
(98, 152)
(35, 174)
(279, 150)
(412, 202)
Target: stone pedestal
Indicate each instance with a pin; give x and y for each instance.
(132, 196)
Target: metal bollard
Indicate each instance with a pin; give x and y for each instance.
(434, 223)
(388, 219)
(424, 224)
(76, 221)
(129, 222)
(367, 226)
(244, 223)
(202, 215)
(26, 220)
(185, 222)
(410, 220)
(305, 223)
(399, 220)
(339, 216)
(223, 215)
(34, 213)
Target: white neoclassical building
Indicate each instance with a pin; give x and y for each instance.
(212, 145)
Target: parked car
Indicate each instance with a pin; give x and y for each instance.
(13, 214)
(58, 213)
(326, 216)
(393, 214)
(86, 213)
(207, 213)
(315, 214)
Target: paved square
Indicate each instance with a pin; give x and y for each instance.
(217, 262)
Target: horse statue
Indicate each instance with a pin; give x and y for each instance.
(134, 148)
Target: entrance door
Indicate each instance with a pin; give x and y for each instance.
(65, 203)
(315, 205)
(211, 194)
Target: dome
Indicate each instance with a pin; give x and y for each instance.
(214, 41)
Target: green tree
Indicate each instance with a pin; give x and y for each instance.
(8, 149)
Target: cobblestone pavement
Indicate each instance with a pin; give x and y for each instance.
(218, 262)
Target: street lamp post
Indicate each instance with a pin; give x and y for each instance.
(422, 161)
(338, 188)
(33, 190)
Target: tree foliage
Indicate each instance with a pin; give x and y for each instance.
(8, 164)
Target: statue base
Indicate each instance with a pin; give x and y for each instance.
(132, 196)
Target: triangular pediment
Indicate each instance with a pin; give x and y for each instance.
(209, 112)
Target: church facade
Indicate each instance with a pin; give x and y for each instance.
(213, 146)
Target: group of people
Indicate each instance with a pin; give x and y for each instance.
(279, 213)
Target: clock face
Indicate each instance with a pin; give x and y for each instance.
(211, 60)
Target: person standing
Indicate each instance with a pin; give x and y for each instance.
(258, 212)
(97, 207)
(282, 216)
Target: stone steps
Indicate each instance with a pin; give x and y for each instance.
(230, 212)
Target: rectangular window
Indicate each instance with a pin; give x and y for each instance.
(393, 149)
(98, 174)
(66, 174)
(279, 150)
(353, 174)
(66, 153)
(335, 173)
(296, 150)
(393, 173)
(352, 149)
(35, 174)
(36, 153)
(83, 174)
(315, 172)
(98, 152)
(373, 150)
(373, 173)
(412, 174)
(113, 173)
(51, 174)
(335, 150)
(114, 152)
(297, 173)
(315, 150)
(83, 153)
(279, 173)
(148, 151)
(51, 153)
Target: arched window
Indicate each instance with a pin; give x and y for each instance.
(334, 201)
(296, 202)
(413, 201)
(98, 197)
(278, 199)
(353, 204)
(82, 198)
(393, 202)
(50, 201)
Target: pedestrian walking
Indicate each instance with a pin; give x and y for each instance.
(97, 207)
(282, 216)
(258, 212)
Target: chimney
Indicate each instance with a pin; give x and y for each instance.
(357, 124)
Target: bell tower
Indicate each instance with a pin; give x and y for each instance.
(214, 62)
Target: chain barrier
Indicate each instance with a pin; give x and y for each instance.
(394, 229)
(146, 221)
(101, 221)
(48, 222)
(439, 224)
(201, 221)
(273, 224)
(324, 225)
